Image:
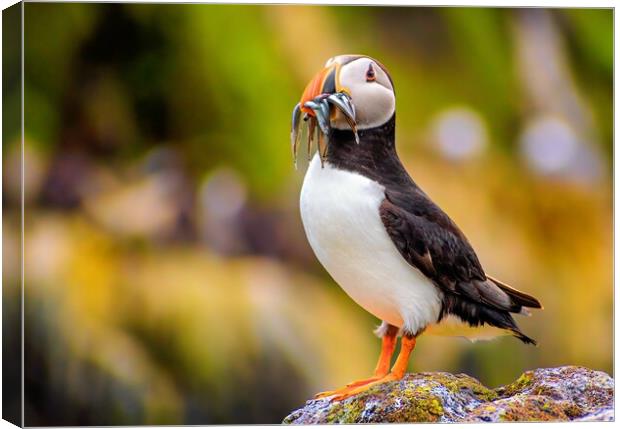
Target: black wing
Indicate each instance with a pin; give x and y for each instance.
(430, 241)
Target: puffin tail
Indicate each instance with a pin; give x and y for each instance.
(518, 297)
(527, 340)
(525, 301)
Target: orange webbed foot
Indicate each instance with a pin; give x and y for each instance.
(356, 390)
(397, 373)
(346, 388)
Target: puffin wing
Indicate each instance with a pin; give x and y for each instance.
(431, 242)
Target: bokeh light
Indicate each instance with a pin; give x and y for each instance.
(460, 133)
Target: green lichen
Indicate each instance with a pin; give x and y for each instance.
(351, 410)
(461, 382)
(523, 382)
(394, 404)
(346, 412)
(424, 410)
(419, 406)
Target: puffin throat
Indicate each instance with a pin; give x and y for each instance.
(372, 157)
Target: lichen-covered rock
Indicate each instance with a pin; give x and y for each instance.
(550, 394)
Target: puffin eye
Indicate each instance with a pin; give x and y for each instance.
(370, 74)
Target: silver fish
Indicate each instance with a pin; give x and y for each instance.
(318, 125)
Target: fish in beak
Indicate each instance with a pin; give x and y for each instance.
(322, 101)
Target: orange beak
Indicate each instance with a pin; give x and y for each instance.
(320, 102)
(323, 83)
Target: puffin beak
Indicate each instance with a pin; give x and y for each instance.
(323, 83)
(322, 91)
(320, 102)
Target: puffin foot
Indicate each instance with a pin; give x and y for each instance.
(346, 388)
(353, 390)
(397, 373)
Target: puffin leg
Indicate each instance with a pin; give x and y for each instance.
(398, 370)
(388, 344)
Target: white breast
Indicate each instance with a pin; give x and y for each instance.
(340, 213)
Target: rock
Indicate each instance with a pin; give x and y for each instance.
(548, 394)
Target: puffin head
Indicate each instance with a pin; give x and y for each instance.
(351, 92)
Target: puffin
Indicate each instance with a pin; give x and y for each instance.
(378, 234)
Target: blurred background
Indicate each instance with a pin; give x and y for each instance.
(168, 278)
